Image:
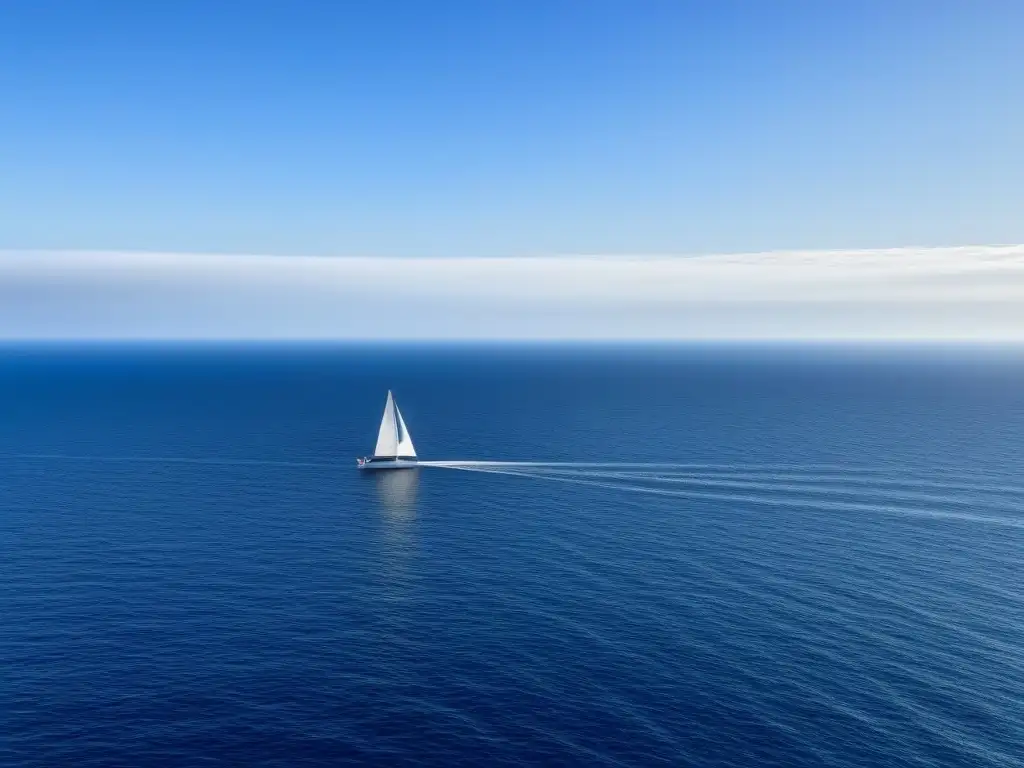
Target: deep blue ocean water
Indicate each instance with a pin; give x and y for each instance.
(706, 557)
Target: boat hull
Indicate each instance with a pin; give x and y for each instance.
(378, 464)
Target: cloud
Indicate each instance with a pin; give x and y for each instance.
(909, 293)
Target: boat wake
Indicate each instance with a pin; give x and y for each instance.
(932, 493)
(943, 493)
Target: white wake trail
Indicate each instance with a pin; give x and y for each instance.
(811, 484)
(760, 491)
(647, 465)
(890, 474)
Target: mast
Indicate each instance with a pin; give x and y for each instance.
(394, 409)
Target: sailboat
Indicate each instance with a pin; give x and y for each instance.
(394, 448)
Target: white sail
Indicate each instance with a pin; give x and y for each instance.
(405, 447)
(387, 437)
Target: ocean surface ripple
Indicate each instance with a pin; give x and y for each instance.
(676, 558)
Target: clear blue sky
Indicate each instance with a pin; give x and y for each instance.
(510, 127)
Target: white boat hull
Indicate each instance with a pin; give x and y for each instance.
(376, 464)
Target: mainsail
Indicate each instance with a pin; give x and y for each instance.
(393, 438)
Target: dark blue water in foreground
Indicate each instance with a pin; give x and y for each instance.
(826, 566)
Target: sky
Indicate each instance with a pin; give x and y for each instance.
(439, 137)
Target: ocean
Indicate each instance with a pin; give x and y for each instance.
(679, 556)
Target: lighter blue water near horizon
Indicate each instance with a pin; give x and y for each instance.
(688, 556)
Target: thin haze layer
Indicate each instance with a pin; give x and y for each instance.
(909, 293)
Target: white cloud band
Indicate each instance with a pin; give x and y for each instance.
(937, 293)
